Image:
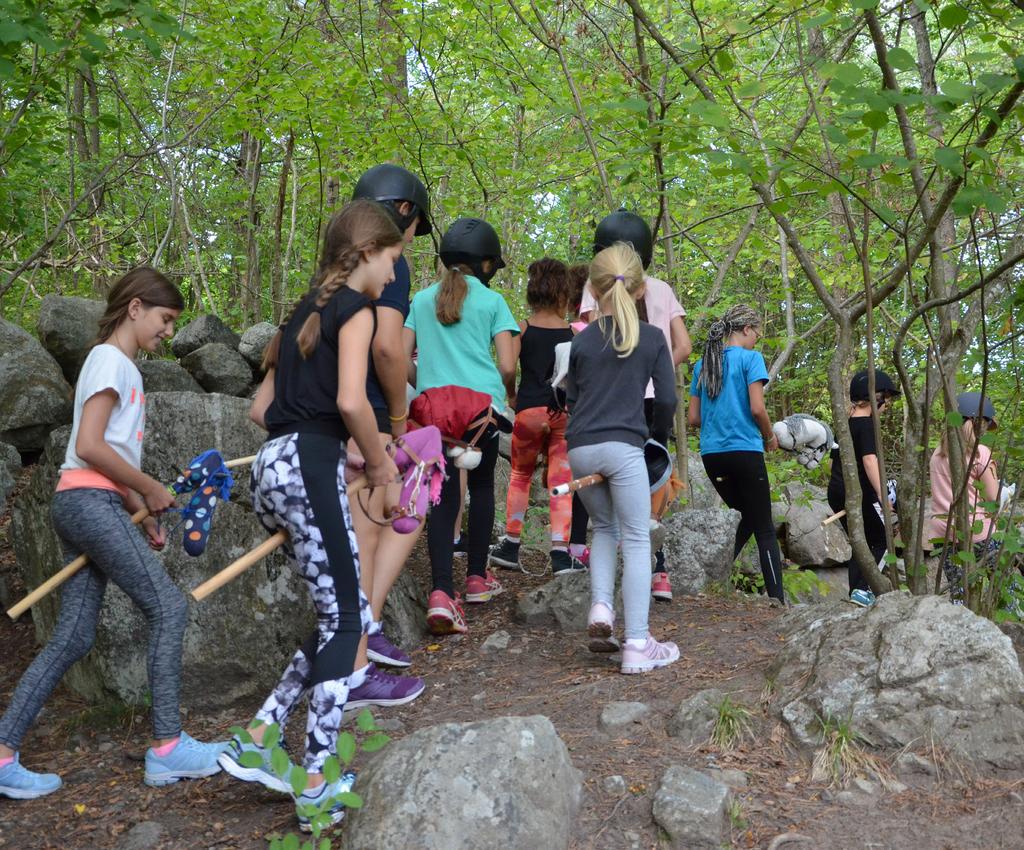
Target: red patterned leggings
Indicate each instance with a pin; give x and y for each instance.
(536, 431)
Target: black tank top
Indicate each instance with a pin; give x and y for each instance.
(537, 363)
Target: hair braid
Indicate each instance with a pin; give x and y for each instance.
(712, 370)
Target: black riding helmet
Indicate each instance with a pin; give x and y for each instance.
(470, 241)
(883, 384)
(968, 405)
(392, 184)
(624, 226)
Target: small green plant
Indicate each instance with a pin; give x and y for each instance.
(736, 817)
(801, 585)
(732, 724)
(768, 691)
(842, 754)
(370, 739)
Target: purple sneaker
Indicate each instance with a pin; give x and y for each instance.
(383, 651)
(384, 689)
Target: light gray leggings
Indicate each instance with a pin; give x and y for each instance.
(620, 510)
(96, 523)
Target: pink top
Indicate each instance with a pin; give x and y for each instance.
(942, 494)
(662, 307)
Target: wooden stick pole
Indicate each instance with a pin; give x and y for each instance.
(833, 518)
(57, 579)
(578, 484)
(236, 568)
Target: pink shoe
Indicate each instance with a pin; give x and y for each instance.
(651, 656)
(661, 587)
(601, 628)
(444, 614)
(482, 588)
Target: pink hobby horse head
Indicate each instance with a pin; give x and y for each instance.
(419, 455)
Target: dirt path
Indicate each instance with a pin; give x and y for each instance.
(727, 643)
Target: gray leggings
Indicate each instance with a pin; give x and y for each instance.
(96, 523)
(620, 510)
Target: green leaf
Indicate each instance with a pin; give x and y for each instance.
(751, 88)
(901, 59)
(956, 90)
(279, 762)
(952, 16)
(949, 159)
(375, 742)
(847, 73)
(251, 759)
(836, 135)
(864, 4)
(7, 68)
(332, 770)
(298, 779)
(291, 842)
(365, 721)
(724, 61)
(874, 120)
(955, 419)
(819, 20)
(869, 160)
(11, 32)
(350, 800)
(346, 747)
(993, 201)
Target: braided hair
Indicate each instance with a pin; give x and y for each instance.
(359, 228)
(712, 369)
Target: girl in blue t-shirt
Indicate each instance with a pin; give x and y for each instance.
(453, 325)
(727, 404)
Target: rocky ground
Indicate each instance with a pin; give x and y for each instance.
(623, 751)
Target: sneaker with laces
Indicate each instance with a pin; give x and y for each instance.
(461, 549)
(563, 562)
(20, 783)
(444, 614)
(650, 656)
(661, 587)
(482, 588)
(505, 554)
(190, 759)
(323, 800)
(382, 651)
(380, 688)
(235, 757)
(601, 629)
(863, 598)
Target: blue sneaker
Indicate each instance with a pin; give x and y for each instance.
(323, 800)
(864, 598)
(234, 760)
(190, 759)
(20, 783)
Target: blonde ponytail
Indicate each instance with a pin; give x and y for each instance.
(450, 296)
(617, 278)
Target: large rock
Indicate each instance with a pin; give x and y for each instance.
(507, 784)
(405, 612)
(10, 466)
(693, 809)
(166, 376)
(702, 493)
(806, 542)
(254, 342)
(34, 397)
(906, 671)
(698, 547)
(219, 369)
(239, 639)
(201, 331)
(564, 602)
(67, 328)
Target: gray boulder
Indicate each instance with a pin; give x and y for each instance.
(702, 493)
(34, 396)
(508, 784)
(698, 547)
(564, 602)
(10, 466)
(806, 542)
(694, 720)
(907, 670)
(693, 809)
(166, 376)
(67, 328)
(405, 613)
(254, 342)
(241, 637)
(618, 717)
(219, 369)
(201, 331)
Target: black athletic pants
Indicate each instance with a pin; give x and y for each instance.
(741, 479)
(874, 532)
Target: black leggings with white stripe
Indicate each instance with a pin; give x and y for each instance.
(741, 479)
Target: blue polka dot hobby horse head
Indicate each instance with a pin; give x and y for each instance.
(209, 480)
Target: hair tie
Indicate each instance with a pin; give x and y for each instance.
(621, 277)
(718, 329)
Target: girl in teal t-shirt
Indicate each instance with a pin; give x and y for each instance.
(727, 404)
(453, 325)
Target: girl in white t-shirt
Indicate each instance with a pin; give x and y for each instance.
(100, 485)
